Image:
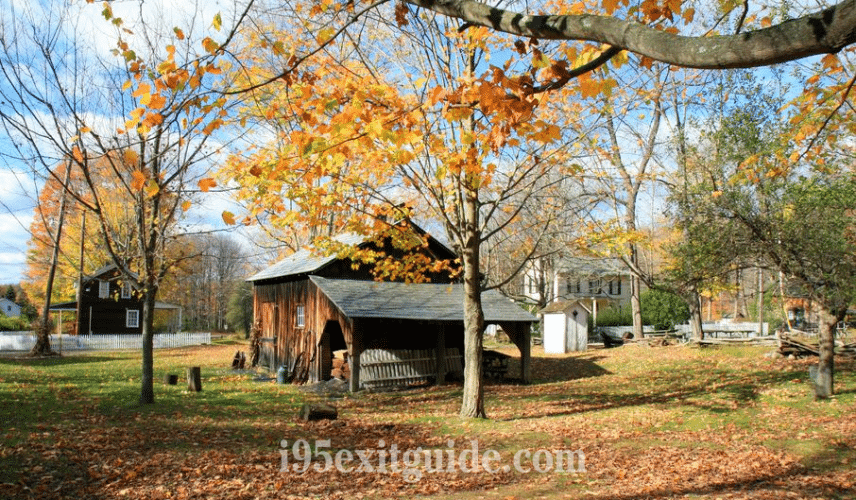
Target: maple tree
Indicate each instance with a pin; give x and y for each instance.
(364, 148)
(156, 155)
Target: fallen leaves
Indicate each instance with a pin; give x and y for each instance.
(664, 423)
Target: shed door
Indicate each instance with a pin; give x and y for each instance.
(269, 329)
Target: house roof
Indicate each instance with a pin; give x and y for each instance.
(592, 267)
(307, 261)
(304, 261)
(4, 300)
(563, 306)
(416, 301)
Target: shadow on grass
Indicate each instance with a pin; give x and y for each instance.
(24, 360)
(714, 390)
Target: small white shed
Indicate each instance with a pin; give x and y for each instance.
(565, 327)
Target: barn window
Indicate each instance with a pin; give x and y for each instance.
(126, 290)
(132, 318)
(103, 289)
(300, 316)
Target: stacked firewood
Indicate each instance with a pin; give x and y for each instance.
(847, 350)
(792, 348)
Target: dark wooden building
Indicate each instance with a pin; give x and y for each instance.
(109, 305)
(309, 306)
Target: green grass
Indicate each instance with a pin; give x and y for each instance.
(646, 417)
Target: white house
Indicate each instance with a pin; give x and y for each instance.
(9, 308)
(597, 282)
(565, 327)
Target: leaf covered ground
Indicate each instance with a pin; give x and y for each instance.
(666, 422)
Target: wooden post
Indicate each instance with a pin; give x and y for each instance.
(521, 335)
(354, 360)
(194, 379)
(356, 348)
(440, 354)
(526, 353)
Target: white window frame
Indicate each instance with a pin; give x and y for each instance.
(615, 286)
(300, 316)
(132, 318)
(126, 290)
(103, 289)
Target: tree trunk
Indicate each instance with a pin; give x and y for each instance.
(636, 306)
(472, 405)
(43, 329)
(695, 314)
(147, 388)
(760, 302)
(823, 378)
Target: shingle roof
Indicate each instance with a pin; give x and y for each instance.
(593, 267)
(417, 301)
(304, 261)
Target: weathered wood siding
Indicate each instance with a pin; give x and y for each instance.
(299, 348)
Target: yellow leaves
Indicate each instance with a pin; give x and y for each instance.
(831, 62)
(178, 33)
(135, 118)
(142, 90)
(77, 154)
(206, 184)
(228, 217)
(539, 60)
(210, 45)
(138, 180)
(156, 101)
(130, 157)
(218, 22)
(212, 126)
(589, 87)
(325, 35)
(610, 6)
(185, 205)
(152, 188)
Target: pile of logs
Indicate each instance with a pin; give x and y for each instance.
(848, 350)
(789, 347)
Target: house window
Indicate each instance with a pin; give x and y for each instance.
(103, 289)
(574, 286)
(132, 318)
(615, 286)
(594, 287)
(300, 317)
(126, 290)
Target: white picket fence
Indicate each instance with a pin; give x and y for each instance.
(25, 342)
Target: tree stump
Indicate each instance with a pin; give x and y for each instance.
(194, 379)
(170, 379)
(311, 412)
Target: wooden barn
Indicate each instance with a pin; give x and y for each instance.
(110, 305)
(308, 307)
